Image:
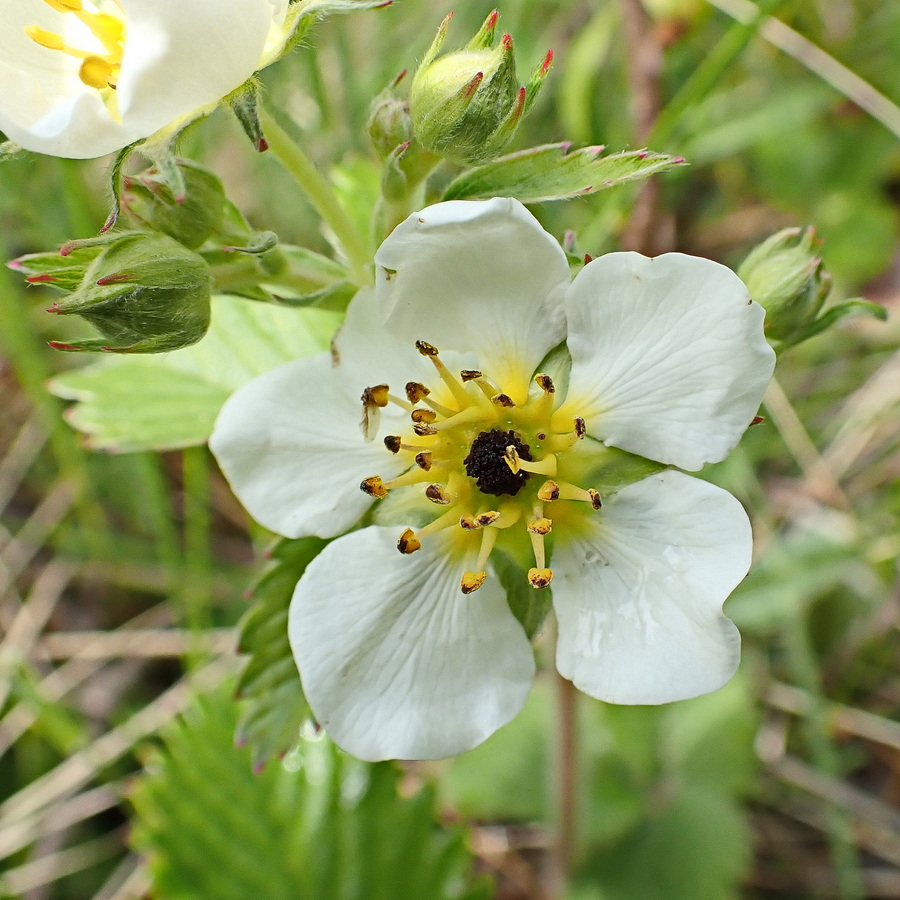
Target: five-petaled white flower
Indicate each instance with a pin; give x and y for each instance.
(81, 79)
(399, 656)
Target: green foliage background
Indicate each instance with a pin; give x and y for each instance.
(782, 785)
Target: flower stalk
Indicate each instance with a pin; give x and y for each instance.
(322, 197)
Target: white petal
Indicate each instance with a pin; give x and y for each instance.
(368, 354)
(480, 276)
(638, 595)
(668, 356)
(180, 55)
(290, 445)
(396, 662)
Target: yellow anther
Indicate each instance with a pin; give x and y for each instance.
(548, 491)
(376, 396)
(503, 400)
(437, 494)
(541, 526)
(471, 581)
(374, 487)
(415, 391)
(408, 542)
(97, 73)
(45, 38)
(423, 415)
(97, 70)
(540, 578)
(545, 466)
(426, 349)
(468, 523)
(482, 520)
(545, 383)
(460, 394)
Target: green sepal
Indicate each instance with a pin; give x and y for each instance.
(832, 316)
(555, 172)
(191, 218)
(335, 297)
(528, 605)
(275, 706)
(244, 103)
(260, 242)
(115, 186)
(609, 469)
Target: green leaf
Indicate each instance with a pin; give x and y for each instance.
(334, 828)
(169, 401)
(275, 707)
(555, 172)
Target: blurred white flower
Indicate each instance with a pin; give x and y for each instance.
(82, 79)
(399, 657)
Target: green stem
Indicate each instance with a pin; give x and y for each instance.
(565, 775)
(322, 197)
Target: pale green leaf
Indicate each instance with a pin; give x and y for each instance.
(129, 403)
(556, 172)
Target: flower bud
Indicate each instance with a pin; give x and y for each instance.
(389, 123)
(467, 105)
(145, 293)
(192, 217)
(784, 274)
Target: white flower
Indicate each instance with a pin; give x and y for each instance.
(398, 656)
(82, 79)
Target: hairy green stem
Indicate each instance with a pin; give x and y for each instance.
(322, 197)
(565, 776)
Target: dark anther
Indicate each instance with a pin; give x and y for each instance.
(486, 464)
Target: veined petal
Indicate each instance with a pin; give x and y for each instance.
(368, 354)
(638, 594)
(396, 662)
(183, 55)
(180, 56)
(480, 276)
(290, 445)
(668, 356)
